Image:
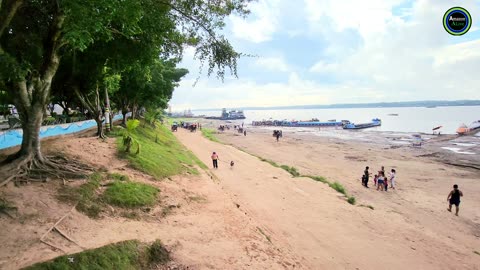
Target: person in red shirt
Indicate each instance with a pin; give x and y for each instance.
(215, 160)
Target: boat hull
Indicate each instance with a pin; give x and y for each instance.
(298, 124)
(374, 123)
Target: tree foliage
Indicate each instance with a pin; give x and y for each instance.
(74, 52)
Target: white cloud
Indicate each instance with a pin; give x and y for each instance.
(322, 67)
(368, 17)
(262, 27)
(272, 63)
(413, 59)
(403, 55)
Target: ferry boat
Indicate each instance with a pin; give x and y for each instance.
(375, 123)
(231, 115)
(464, 129)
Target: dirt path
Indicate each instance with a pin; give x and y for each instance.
(315, 223)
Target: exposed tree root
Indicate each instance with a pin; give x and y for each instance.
(40, 169)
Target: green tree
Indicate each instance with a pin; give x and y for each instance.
(36, 34)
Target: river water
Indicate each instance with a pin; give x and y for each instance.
(409, 119)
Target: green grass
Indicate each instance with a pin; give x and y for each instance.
(84, 195)
(130, 194)
(118, 176)
(338, 187)
(292, 170)
(295, 173)
(209, 134)
(127, 255)
(170, 120)
(318, 178)
(157, 253)
(160, 159)
(271, 162)
(367, 206)
(351, 200)
(6, 205)
(119, 193)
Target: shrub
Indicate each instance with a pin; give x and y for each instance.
(351, 200)
(130, 194)
(338, 187)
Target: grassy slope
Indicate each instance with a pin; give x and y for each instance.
(163, 158)
(119, 256)
(130, 194)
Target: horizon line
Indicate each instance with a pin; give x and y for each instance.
(472, 102)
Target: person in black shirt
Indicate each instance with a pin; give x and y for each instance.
(454, 198)
(366, 174)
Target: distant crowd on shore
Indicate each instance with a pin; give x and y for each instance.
(238, 128)
(380, 180)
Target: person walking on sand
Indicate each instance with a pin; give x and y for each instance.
(454, 198)
(244, 132)
(215, 160)
(366, 175)
(392, 179)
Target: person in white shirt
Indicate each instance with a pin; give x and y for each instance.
(392, 179)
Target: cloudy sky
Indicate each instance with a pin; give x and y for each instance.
(342, 51)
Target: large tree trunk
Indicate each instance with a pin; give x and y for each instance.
(98, 119)
(30, 96)
(124, 120)
(31, 133)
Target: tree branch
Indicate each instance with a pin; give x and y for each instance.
(84, 100)
(205, 28)
(7, 12)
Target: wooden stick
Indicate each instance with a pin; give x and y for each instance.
(66, 236)
(51, 245)
(58, 222)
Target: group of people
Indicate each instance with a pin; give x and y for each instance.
(238, 128)
(380, 180)
(277, 134)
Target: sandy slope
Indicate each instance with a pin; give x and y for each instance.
(207, 231)
(255, 216)
(409, 227)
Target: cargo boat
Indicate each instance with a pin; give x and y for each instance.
(375, 123)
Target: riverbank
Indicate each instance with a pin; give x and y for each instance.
(409, 225)
(258, 216)
(197, 222)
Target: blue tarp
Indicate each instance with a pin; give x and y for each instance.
(12, 138)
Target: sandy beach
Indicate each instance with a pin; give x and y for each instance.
(409, 225)
(257, 216)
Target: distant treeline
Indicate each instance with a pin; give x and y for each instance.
(427, 103)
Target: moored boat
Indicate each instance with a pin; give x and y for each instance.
(231, 115)
(310, 123)
(473, 127)
(375, 123)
